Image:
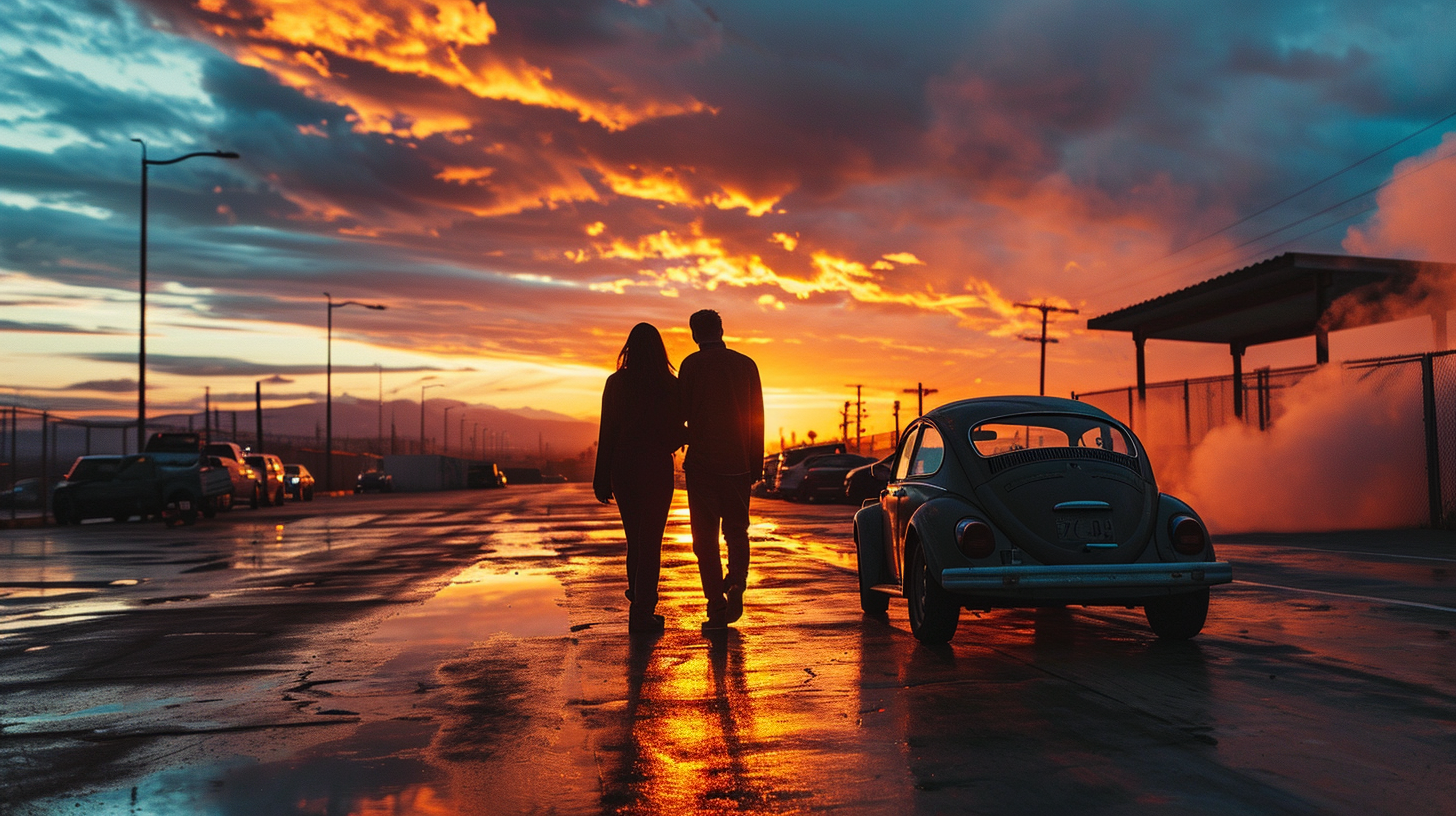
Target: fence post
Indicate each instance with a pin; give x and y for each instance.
(1187, 417)
(45, 471)
(1433, 450)
(14, 459)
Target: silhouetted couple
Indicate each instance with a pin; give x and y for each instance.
(644, 407)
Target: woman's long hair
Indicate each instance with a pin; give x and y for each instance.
(644, 355)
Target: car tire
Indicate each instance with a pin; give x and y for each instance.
(1178, 617)
(254, 500)
(934, 614)
(64, 511)
(280, 498)
(308, 495)
(871, 602)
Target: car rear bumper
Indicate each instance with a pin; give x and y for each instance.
(1087, 576)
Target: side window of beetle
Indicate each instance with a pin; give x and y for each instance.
(928, 454)
(907, 447)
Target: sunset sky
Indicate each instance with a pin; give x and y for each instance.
(863, 190)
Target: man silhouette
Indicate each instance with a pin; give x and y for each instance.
(722, 399)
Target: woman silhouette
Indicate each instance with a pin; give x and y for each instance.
(641, 426)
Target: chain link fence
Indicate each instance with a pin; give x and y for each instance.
(1175, 417)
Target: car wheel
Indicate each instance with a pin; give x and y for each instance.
(308, 496)
(870, 601)
(934, 614)
(1178, 617)
(279, 499)
(64, 511)
(254, 500)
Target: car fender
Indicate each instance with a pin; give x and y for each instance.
(869, 540)
(933, 525)
(1168, 507)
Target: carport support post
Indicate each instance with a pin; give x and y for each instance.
(1142, 367)
(1237, 350)
(1321, 305)
(1433, 449)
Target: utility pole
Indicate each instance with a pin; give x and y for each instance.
(1045, 309)
(844, 423)
(858, 414)
(895, 440)
(258, 413)
(920, 392)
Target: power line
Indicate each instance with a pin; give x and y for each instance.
(1293, 196)
(1335, 206)
(1287, 199)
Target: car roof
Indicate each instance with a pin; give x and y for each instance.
(964, 413)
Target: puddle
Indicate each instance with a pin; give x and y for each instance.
(478, 603)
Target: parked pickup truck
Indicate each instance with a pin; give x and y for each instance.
(175, 486)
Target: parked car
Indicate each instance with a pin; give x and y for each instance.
(824, 476)
(1026, 502)
(194, 483)
(23, 495)
(298, 482)
(270, 476)
(486, 475)
(230, 457)
(865, 482)
(175, 486)
(376, 480)
(792, 467)
(765, 485)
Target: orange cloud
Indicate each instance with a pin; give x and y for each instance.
(444, 40)
(707, 264)
(669, 186)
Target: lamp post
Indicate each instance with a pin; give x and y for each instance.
(445, 429)
(422, 412)
(329, 387)
(142, 328)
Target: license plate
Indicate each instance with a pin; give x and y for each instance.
(184, 505)
(1084, 527)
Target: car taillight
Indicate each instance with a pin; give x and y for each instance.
(975, 538)
(1189, 536)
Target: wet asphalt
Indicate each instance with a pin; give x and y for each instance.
(464, 653)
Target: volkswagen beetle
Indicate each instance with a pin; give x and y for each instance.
(1024, 502)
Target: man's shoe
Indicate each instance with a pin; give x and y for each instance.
(651, 625)
(735, 603)
(717, 619)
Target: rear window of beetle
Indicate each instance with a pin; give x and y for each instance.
(1010, 434)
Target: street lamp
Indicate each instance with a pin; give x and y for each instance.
(329, 387)
(142, 329)
(422, 412)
